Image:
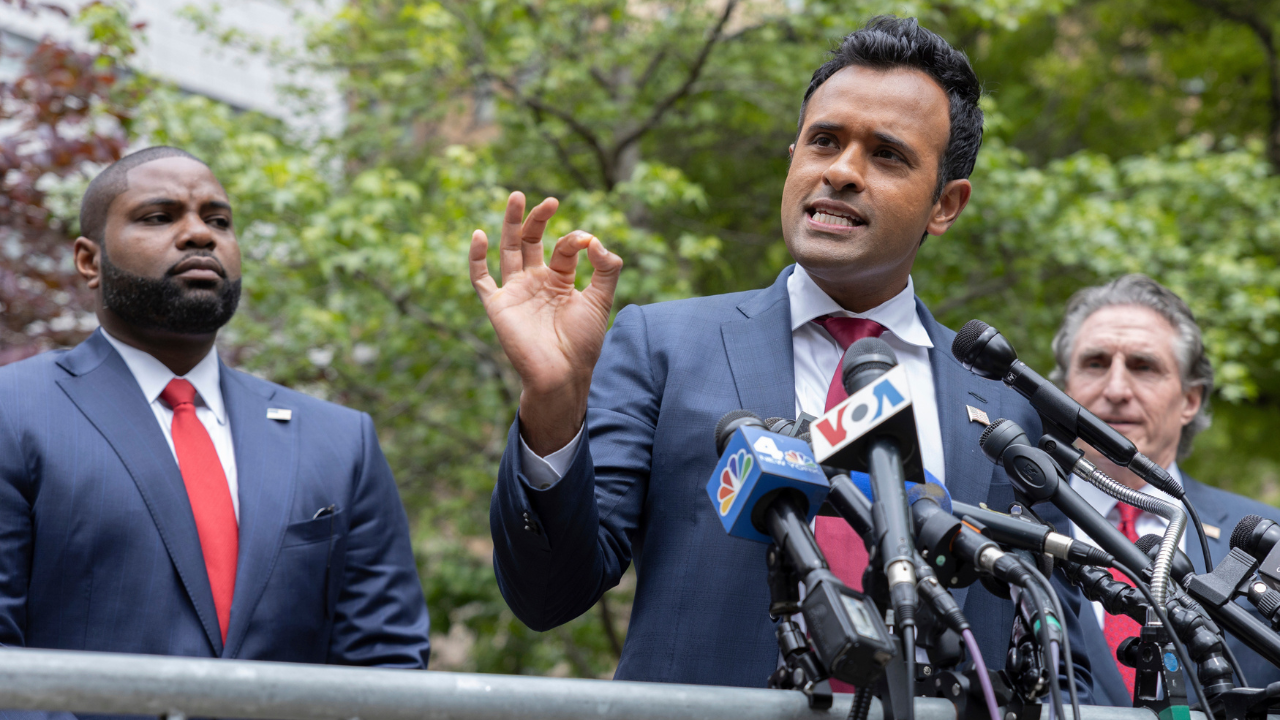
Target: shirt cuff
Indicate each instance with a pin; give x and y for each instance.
(543, 472)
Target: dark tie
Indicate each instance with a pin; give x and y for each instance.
(842, 547)
(210, 497)
(1118, 627)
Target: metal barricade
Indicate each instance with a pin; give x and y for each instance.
(177, 687)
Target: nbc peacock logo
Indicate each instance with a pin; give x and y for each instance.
(800, 459)
(731, 479)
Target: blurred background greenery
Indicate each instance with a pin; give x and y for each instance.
(1122, 136)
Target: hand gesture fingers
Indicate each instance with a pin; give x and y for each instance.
(531, 231)
(478, 262)
(604, 276)
(510, 250)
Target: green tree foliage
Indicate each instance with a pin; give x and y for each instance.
(663, 128)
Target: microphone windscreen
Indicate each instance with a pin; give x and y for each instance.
(934, 491)
(1146, 542)
(1245, 528)
(966, 337)
(868, 359)
(729, 422)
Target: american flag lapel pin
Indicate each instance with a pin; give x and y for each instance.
(976, 415)
(282, 414)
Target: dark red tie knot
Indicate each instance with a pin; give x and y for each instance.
(847, 330)
(179, 392)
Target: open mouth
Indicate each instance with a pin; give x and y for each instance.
(823, 214)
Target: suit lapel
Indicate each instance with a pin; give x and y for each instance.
(266, 463)
(968, 470)
(760, 352)
(102, 387)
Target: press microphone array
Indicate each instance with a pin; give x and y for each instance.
(1183, 615)
(862, 461)
(982, 350)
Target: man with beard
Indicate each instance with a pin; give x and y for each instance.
(613, 444)
(154, 500)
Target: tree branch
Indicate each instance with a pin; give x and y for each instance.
(561, 152)
(574, 124)
(695, 72)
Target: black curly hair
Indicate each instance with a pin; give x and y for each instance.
(887, 42)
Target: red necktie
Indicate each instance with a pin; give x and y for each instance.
(1118, 627)
(843, 548)
(210, 496)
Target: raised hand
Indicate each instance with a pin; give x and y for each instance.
(551, 331)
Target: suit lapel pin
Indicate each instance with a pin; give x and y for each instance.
(1212, 531)
(976, 415)
(279, 414)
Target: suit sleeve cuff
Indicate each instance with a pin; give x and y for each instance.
(543, 472)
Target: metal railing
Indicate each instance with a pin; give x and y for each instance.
(176, 687)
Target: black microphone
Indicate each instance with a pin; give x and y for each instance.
(1027, 534)
(1255, 535)
(873, 430)
(1036, 476)
(956, 550)
(854, 506)
(1251, 631)
(982, 350)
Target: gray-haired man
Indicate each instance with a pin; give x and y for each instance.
(1131, 352)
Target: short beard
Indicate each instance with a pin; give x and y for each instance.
(162, 304)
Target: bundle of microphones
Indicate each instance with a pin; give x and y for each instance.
(862, 462)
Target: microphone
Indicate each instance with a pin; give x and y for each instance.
(1027, 534)
(790, 428)
(874, 431)
(1255, 535)
(1259, 537)
(1251, 631)
(757, 467)
(982, 350)
(766, 488)
(957, 551)
(1036, 476)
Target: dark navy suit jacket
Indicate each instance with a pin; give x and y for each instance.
(635, 491)
(98, 546)
(1223, 510)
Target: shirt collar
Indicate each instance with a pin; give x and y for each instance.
(898, 314)
(153, 376)
(1104, 503)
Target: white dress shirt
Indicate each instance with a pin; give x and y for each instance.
(153, 376)
(1145, 524)
(816, 356)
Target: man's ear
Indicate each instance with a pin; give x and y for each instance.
(954, 198)
(1194, 400)
(88, 256)
(791, 151)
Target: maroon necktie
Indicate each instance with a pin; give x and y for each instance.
(843, 548)
(210, 496)
(1118, 627)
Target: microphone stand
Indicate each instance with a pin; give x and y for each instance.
(801, 669)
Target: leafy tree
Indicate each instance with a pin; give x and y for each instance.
(70, 110)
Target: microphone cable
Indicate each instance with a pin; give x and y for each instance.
(1066, 639)
(1038, 620)
(1183, 657)
(1204, 541)
(984, 679)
